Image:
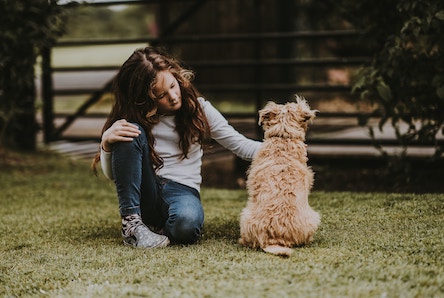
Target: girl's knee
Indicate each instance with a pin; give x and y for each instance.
(138, 143)
(185, 228)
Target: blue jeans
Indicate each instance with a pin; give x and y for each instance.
(161, 202)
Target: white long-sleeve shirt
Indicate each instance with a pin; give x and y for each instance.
(188, 171)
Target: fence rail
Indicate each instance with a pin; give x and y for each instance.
(258, 87)
(321, 62)
(244, 37)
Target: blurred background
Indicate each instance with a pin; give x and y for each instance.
(243, 53)
(372, 69)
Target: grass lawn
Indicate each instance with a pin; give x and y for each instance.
(60, 238)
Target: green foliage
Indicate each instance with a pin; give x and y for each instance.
(406, 77)
(26, 27)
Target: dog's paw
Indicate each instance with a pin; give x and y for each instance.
(278, 250)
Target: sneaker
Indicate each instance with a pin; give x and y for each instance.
(136, 234)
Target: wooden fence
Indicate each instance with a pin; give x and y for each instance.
(256, 88)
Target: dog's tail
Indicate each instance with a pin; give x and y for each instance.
(278, 250)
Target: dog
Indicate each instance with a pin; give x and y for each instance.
(277, 215)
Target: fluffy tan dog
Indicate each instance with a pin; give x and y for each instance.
(277, 215)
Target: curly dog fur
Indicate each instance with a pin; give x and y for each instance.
(278, 216)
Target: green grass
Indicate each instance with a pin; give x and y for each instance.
(60, 238)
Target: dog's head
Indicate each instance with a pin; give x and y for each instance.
(286, 121)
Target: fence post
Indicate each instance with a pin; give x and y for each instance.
(47, 95)
(258, 57)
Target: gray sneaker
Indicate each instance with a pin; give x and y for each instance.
(136, 234)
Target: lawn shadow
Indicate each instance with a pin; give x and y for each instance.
(221, 229)
(98, 234)
(103, 233)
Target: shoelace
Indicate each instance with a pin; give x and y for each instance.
(130, 223)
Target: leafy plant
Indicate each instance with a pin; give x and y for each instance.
(405, 80)
(26, 27)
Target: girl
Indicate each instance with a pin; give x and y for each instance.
(152, 146)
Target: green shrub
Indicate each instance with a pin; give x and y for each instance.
(405, 80)
(26, 27)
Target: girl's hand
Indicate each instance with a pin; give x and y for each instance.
(120, 131)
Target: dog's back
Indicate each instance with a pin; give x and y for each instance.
(277, 215)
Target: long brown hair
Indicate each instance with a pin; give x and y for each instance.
(135, 101)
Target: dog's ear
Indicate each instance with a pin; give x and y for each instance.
(304, 109)
(267, 113)
(264, 116)
(310, 115)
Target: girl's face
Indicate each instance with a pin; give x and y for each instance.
(167, 93)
